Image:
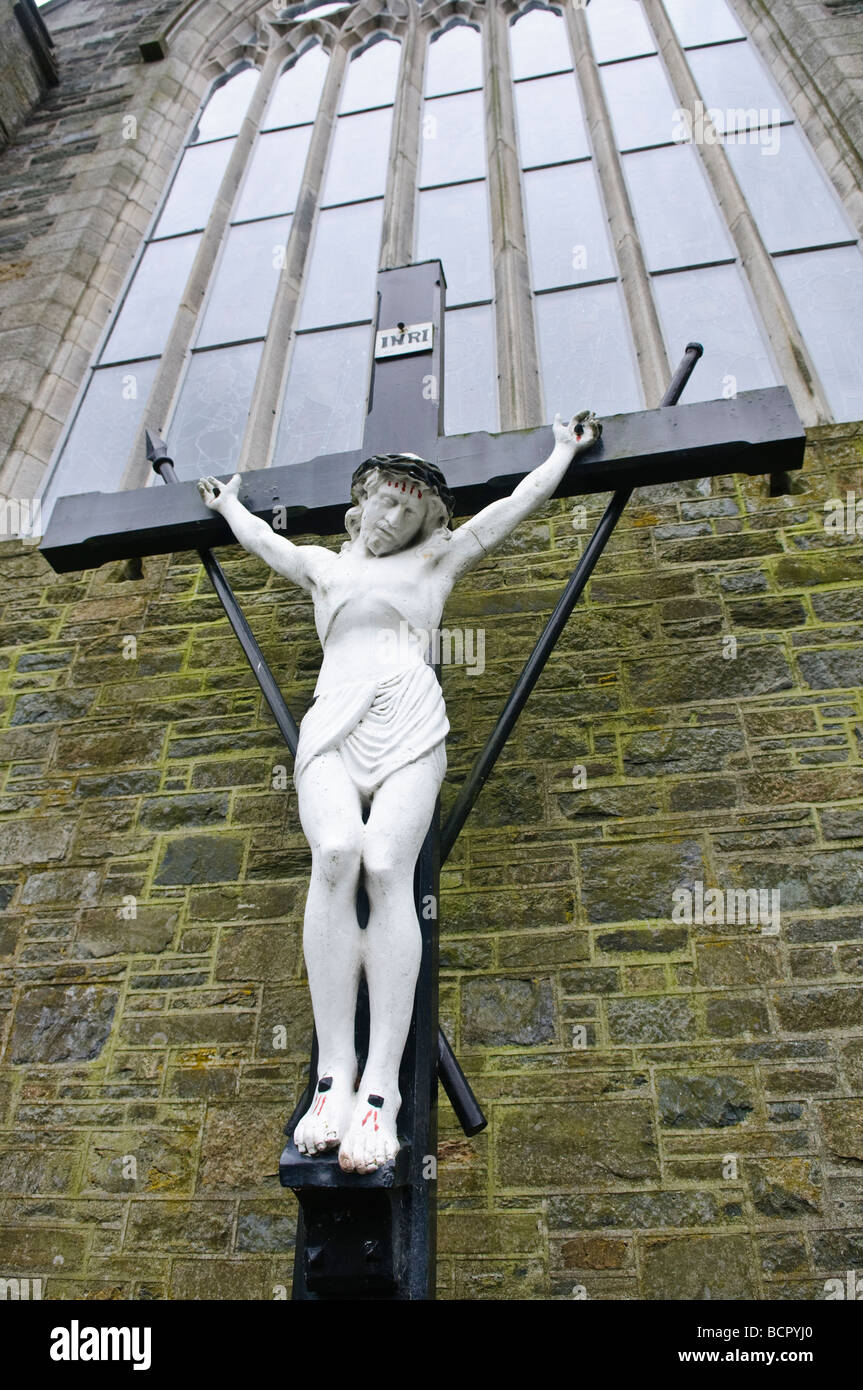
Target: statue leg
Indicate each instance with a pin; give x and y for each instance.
(331, 815)
(400, 816)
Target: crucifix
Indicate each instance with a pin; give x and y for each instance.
(366, 1226)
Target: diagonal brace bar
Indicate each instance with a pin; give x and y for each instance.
(157, 453)
(532, 670)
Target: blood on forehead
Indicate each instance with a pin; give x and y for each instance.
(401, 485)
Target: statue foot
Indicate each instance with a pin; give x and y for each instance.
(327, 1117)
(371, 1140)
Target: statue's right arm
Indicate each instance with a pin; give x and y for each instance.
(302, 564)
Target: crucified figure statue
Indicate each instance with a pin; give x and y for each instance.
(371, 756)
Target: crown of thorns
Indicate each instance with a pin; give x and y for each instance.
(413, 467)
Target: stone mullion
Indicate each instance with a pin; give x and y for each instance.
(795, 365)
(137, 472)
(269, 389)
(653, 364)
(517, 354)
(397, 246)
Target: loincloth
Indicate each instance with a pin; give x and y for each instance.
(377, 726)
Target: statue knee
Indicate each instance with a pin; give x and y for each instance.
(381, 864)
(337, 858)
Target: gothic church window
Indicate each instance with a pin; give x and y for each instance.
(244, 331)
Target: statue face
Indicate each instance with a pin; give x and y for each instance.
(391, 518)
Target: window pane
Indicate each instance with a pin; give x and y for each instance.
(825, 289)
(144, 322)
(679, 222)
(325, 401)
(298, 90)
(550, 121)
(454, 62)
(470, 387)
(104, 431)
(224, 112)
(567, 227)
(539, 44)
(703, 21)
(641, 103)
(712, 307)
(207, 430)
(454, 226)
(358, 160)
(789, 196)
(618, 29)
(453, 146)
(245, 283)
(732, 79)
(274, 175)
(194, 189)
(371, 79)
(586, 354)
(341, 278)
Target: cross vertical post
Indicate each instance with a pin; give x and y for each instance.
(373, 1234)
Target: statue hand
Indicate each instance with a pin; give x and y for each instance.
(582, 431)
(215, 493)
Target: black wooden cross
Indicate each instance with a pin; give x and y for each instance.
(373, 1235)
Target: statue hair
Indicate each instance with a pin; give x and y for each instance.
(436, 526)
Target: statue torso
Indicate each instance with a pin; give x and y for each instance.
(373, 613)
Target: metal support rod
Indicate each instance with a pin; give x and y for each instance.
(452, 1078)
(457, 1087)
(535, 663)
(163, 465)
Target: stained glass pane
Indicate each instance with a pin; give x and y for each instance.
(586, 352)
(790, 198)
(453, 146)
(539, 44)
(454, 62)
(825, 289)
(245, 282)
(224, 112)
(359, 156)
(95, 454)
(703, 21)
(550, 121)
(193, 191)
(641, 103)
(298, 90)
(341, 278)
(274, 175)
(371, 78)
(567, 227)
(618, 29)
(453, 225)
(144, 322)
(679, 222)
(470, 395)
(732, 79)
(325, 401)
(712, 307)
(207, 430)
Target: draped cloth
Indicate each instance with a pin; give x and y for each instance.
(378, 726)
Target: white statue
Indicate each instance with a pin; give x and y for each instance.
(374, 739)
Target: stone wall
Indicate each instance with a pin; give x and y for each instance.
(675, 1110)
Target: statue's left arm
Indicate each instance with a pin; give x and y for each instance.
(472, 541)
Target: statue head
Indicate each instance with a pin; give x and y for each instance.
(399, 499)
